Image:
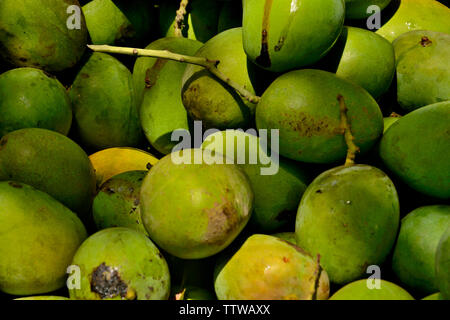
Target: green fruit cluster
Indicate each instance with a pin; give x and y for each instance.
(126, 173)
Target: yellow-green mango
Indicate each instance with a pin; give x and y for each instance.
(359, 290)
(38, 239)
(50, 162)
(416, 148)
(434, 296)
(44, 298)
(288, 34)
(268, 268)
(35, 33)
(104, 104)
(349, 215)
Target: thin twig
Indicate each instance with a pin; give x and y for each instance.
(352, 148)
(210, 65)
(179, 19)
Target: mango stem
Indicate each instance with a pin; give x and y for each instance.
(352, 148)
(179, 19)
(210, 65)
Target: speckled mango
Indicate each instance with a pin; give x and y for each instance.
(193, 207)
(288, 34)
(35, 33)
(117, 202)
(50, 162)
(38, 239)
(158, 87)
(416, 148)
(31, 99)
(359, 290)
(120, 264)
(268, 268)
(104, 104)
(423, 71)
(304, 106)
(209, 99)
(349, 215)
(413, 261)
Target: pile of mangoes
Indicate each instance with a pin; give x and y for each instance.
(98, 201)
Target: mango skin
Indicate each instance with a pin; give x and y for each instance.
(29, 98)
(104, 104)
(158, 87)
(363, 57)
(350, 216)
(416, 148)
(317, 23)
(51, 162)
(414, 254)
(423, 72)
(44, 298)
(416, 15)
(443, 265)
(358, 290)
(34, 33)
(136, 267)
(272, 209)
(268, 268)
(434, 296)
(303, 105)
(38, 239)
(212, 101)
(357, 9)
(194, 211)
(117, 202)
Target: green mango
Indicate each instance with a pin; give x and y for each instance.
(200, 22)
(287, 236)
(117, 202)
(104, 104)
(38, 239)
(357, 9)
(34, 33)
(443, 265)
(230, 15)
(359, 290)
(416, 148)
(290, 34)
(364, 58)
(119, 22)
(389, 121)
(194, 207)
(349, 215)
(272, 209)
(434, 296)
(304, 106)
(120, 264)
(212, 101)
(158, 87)
(416, 15)
(414, 254)
(268, 268)
(423, 72)
(30, 99)
(51, 162)
(47, 298)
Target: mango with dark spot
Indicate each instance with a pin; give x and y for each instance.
(192, 206)
(105, 106)
(158, 88)
(349, 215)
(416, 148)
(359, 9)
(443, 265)
(423, 71)
(51, 162)
(289, 34)
(277, 183)
(268, 268)
(120, 264)
(359, 290)
(35, 33)
(38, 239)
(118, 202)
(31, 99)
(209, 99)
(303, 106)
(413, 261)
